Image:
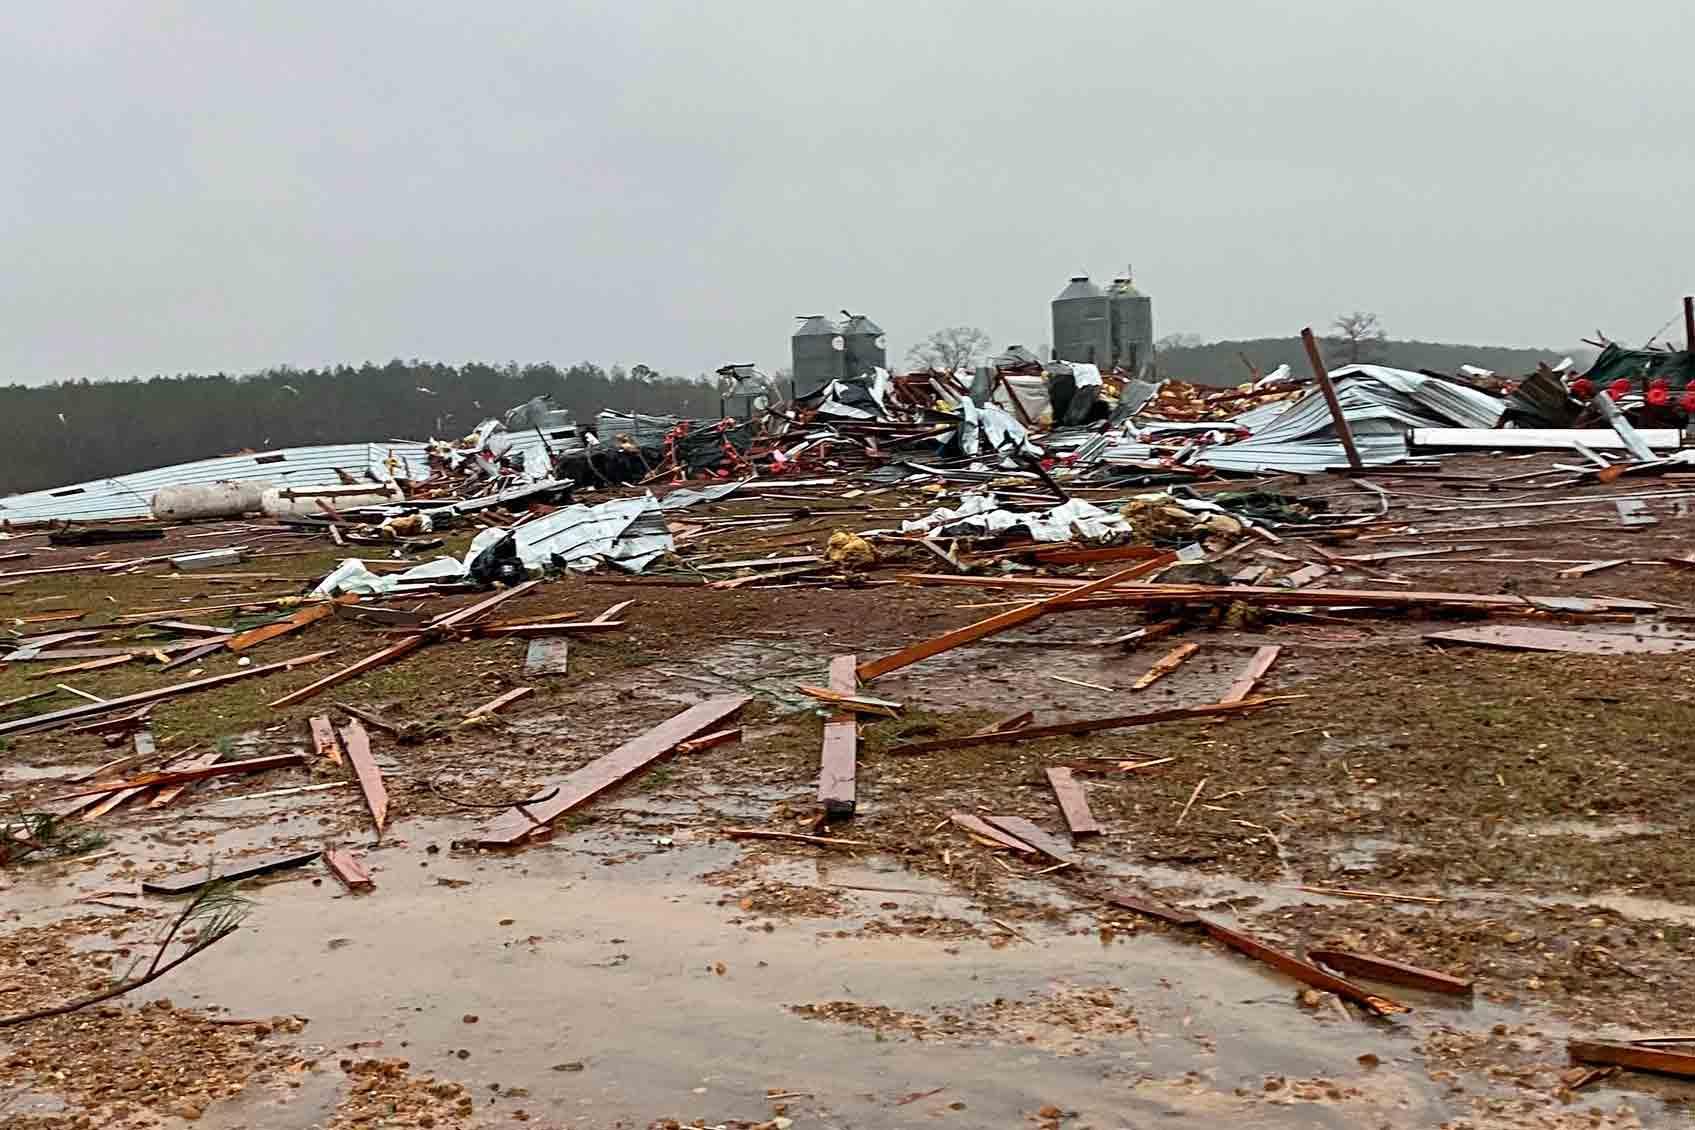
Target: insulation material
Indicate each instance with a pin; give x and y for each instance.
(983, 514)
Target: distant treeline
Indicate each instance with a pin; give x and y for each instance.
(1220, 362)
(78, 430)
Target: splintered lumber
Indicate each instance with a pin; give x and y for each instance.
(106, 706)
(547, 656)
(183, 776)
(197, 653)
(1559, 639)
(1090, 725)
(494, 705)
(710, 741)
(1393, 972)
(1073, 804)
(854, 703)
(145, 748)
(979, 827)
(311, 614)
(1634, 1056)
(797, 837)
(1027, 832)
(1004, 620)
(554, 800)
(184, 882)
(1302, 970)
(1011, 722)
(1245, 683)
(1168, 663)
(164, 795)
(435, 628)
(1589, 567)
(347, 867)
(837, 765)
(324, 739)
(358, 745)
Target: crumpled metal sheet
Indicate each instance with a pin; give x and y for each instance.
(983, 514)
(130, 495)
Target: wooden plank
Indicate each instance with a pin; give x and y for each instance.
(1088, 725)
(324, 739)
(186, 881)
(1394, 972)
(838, 763)
(1589, 567)
(710, 741)
(977, 826)
(1010, 722)
(547, 656)
(1167, 663)
(164, 795)
(1634, 1056)
(1026, 830)
(1306, 575)
(193, 629)
(145, 748)
(549, 628)
(1073, 803)
(181, 776)
(359, 667)
(194, 655)
(1338, 418)
(494, 705)
(1154, 909)
(406, 646)
(1571, 642)
(311, 614)
(1245, 683)
(357, 742)
(1303, 971)
(91, 709)
(575, 789)
(852, 703)
(349, 868)
(87, 665)
(1004, 620)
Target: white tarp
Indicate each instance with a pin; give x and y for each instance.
(983, 514)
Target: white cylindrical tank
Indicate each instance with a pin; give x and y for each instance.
(302, 502)
(228, 499)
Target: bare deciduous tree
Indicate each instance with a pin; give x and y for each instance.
(1179, 341)
(1358, 334)
(956, 347)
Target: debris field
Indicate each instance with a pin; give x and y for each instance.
(897, 758)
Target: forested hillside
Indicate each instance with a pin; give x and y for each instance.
(1220, 362)
(77, 430)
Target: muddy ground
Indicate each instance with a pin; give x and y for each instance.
(641, 966)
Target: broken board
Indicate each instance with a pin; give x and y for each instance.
(1509, 638)
(837, 765)
(358, 745)
(554, 800)
(547, 655)
(1073, 803)
(1027, 832)
(979, 827)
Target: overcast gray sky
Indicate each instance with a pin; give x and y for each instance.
(205, 186)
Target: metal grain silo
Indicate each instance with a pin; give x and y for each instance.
(818, 354)
(1132, 318)
(866, 348)
(1082, 323)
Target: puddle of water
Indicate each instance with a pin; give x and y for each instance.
(1587, 829)
(566, 961)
